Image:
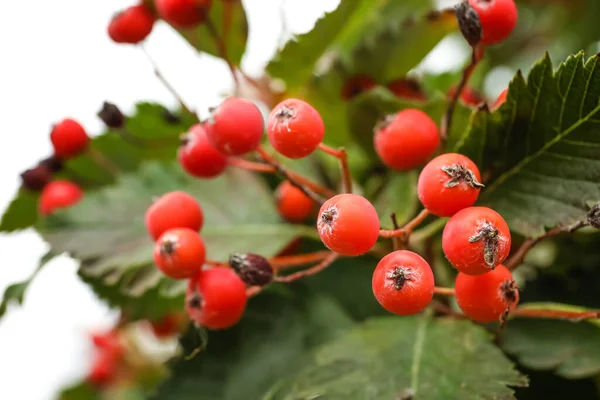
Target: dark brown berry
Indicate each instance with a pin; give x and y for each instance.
(51, 163)
(35, 179)
(593, 216)
(469, 23)
(253, 269)
(111, 115)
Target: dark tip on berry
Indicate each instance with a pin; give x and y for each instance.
(593, 216)
(459, 173)
(469, 23)
(508, 290)
(400, 275)
(195, 301)
(111, 115)
(328, 216)
(490, 236)
(168, 247)
(286, 113)
(184, 139)
(35, 179)
(253, 269)
(170, 118)
(384, 122)
(53, 164)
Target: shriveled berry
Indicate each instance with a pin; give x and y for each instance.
(293, 205)
(476, 240)
(183, 13)
(406, 88)
(295, 129)
(357, 85)
(449, 183)
(348, 224)
(593, 216)
(468, 96)
(37, 178)
(469, 23)
(406, 140)
(57, 195)
(180, 253)
(403, 283)
(111, 115)
(488, 297)
(198, 157)
(216, 298)
(68, 138)
(498, 19)
(253, 269)
(52, 163)
(132, 25)
(173, 210)
(167, 326)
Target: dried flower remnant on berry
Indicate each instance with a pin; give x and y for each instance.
(593, 216)
(469, 23)
(253, 269)
(400, 276)
(458, 173)
(510, 293)
(490, 236)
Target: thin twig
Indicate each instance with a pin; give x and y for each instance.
(555, 314)
(444, 291)
(222, 49)
(396, 243)
(310, 271)
(298, 260)
(103, 161)
(407, 229)
(342, 156)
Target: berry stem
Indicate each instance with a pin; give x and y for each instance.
(298, 260)
(103, 161)
(444, 291)
(396, 242)
(222, 49)
(407, 229)
(251, 165)
(574, 316)
(330, 259)
(341, 155)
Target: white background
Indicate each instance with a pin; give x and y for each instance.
(57, 61)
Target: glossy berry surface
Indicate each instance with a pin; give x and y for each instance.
(501, 98)
(235, 127)
(498, 19)
(108, 342)
(216, 298)
(103, 370)
(487, 297)
(407, 89)
(57, 195)
(403, 283)
(468, 96)
(406, 140)
(293, 205)
(68, 138)
(180, 253)
(198, 157)
(173, 210)
(183, 13)
(348, 224)
(449, 183)
(295, 128)
(357, 85)
(132, 25)
(476, 240)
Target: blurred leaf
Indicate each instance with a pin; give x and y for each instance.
(404, 358)
(399, 196)
(542, 147)
(81, 391)
(21, 213)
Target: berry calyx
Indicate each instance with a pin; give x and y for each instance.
(183, 13)
(235, 127)
(35, 179)
(348, 224)
(449, 183)
(295, 129)
(406, 88)
(68, 138)
(357, 85)
(476, 240)
(501, 98)
(173, 210)
(132, 25)
(59, 194)
(216, 298)
(198, 157)
(498, 18)
(293, 205)
(406, 140)
(403, 283)
(253, 269)
(489, 297)
(167, 326)
(180, 253)
(468, 96)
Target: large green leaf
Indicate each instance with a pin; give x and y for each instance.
(408, 357)
(106, 230)
(542, 147)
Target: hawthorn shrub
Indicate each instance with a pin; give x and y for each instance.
(380, 234)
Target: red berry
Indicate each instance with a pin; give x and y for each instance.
(476, 240)
(295, 128)
(167, 326)
(59, 194)
(403, 283)
(292, 203)
(180, 253)
(357, 85)
(109, 343)
(132, 25)
(174, 210)
(103, 370)
(488, 297)
(68, 138)
(449, 183)
(501, 98)
(198, 157)
(498, 19)
(468, 96)
(407, 139)
(235, 127)
(216, 298)
(407, 89)
(183, 13)
(348, 224)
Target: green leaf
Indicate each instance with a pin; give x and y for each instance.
(415, 357)
(82, 391)
(399, 196)
(21, 213)
(542, 147)
(106, 230)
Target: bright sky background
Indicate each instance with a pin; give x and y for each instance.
(57, 61)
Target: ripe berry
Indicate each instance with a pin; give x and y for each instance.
(293, 205)
(103, 370)
(476, 240)
(183, 13)
(216, 298)
(468, 96)
(403, 283)
(501, 98)
(405, 88)
(449, 183)
(132, 25)
(167, 326)
(357, 85)
(235, 127)
(407, 139)
(498, 18)
(253, 269)
(348, 224)
(295, 128)
(180, 253)
(59, 194)
(198, 157)
(37, 178)
(109, 343)
(174, 210)
(488, 297)
(68, 138)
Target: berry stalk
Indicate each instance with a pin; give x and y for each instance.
(330, 259)
(298, 260)
(407, 229)
(443, 291)
(574, 316)
(341, 155)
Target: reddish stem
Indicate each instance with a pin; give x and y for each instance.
(555, 314)
(251, 165)
(341, 155)
(298, 260)
(444, 291)
(310, 271)
(253, 290)
(407, 229)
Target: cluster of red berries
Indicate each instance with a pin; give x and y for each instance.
(109, 353)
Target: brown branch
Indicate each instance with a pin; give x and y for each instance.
(342, 156)
(444, 291)
(407, 229)
(279, 263)
(574, 316)
(330, 259)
